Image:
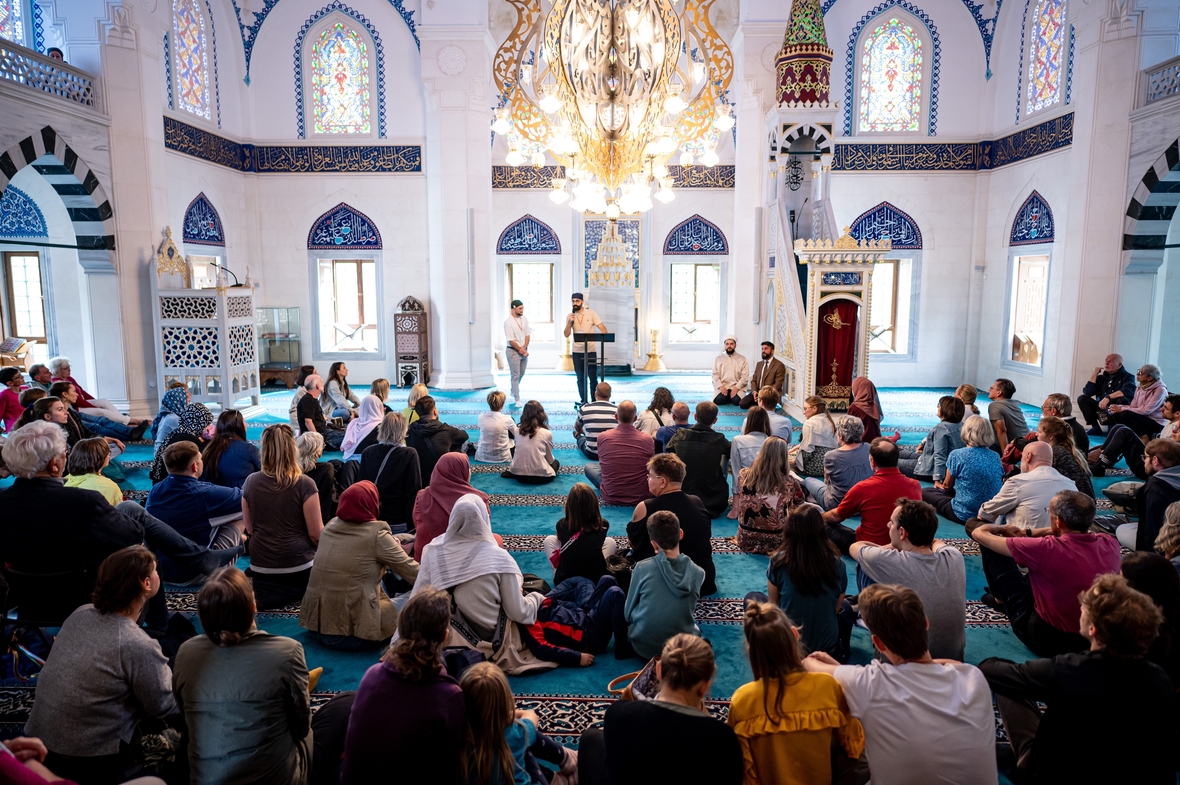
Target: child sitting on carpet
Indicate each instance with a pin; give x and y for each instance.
(503, 744)
(664, 589)
(496, 431)
(570, 630)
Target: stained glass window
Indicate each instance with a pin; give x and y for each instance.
(695, 303)
(12, 21)
(1046, 56)
(891, 79)
(340, 82)
(192, 58)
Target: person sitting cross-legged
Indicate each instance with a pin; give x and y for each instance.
(623, 453)
(432, 438)
(1110, 383)
(769, 372)
(1061, 559)
(972, 476)
(731, 374)
(658, 413)
(580, 547)
(104, 675)
(1023, 500)
(1006, 416)
(533, 462)
(907, 699)
(87, 460)
(394, 469)
(665, 481)
(780, 426)
(433, 504)
(929, 566)
(816, 439)
(794, 726)
(496, 431)
(1143, 414)
(205, 513)
(927, 461)
(311, 414)
(1068, 460)
(844, 466)
(766, 493)
(664, 589)
(1059, 405)
(1108, 685)
(1161, 461)
(874, 499)
(705, 453)
(680, 415)
(745, 449)
(593, 419)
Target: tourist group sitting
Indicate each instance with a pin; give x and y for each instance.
(391, 550)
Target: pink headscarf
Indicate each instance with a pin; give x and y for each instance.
(864, 395)
(432, 507)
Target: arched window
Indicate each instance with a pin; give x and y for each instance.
(191, 50)
(12, 21)
(1046, 55)
(891, 78)
(339, 69)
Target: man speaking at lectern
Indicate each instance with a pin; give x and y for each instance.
(583, 320)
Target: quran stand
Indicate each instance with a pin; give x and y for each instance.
(603, 339)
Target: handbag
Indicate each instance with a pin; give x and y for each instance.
(620, 565)
(457, 659)
(641, 685)
(535, 583)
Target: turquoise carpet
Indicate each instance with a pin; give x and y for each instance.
(569, 700)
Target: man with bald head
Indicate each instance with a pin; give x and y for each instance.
(1111, 383)
(680, 415)
(623, 452)
(1023, 500)
(1062, 558)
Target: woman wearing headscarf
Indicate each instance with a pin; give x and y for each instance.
(345, 607)
(168, 417)
(362, 430)
(866, 406)
(194, 419)
(482, 577)
(434, 503)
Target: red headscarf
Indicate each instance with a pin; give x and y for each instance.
(360, 503)
(432, 509)
(864, 395)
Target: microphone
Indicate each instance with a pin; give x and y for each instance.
(237, 283)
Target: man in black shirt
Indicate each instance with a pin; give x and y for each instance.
(1111, 687)
(1112, 383)
(665, 474)
(706, 457)
(432, 438)
(311, 415)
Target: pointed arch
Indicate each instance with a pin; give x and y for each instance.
(887, 221)
(528, 236)
(1033, 224)
(353, 40)
(90, 211)
(1152, 207)
(696, 236)
(194, 59)
(202, 224)
(343, 228)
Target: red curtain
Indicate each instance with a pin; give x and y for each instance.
(837, 342)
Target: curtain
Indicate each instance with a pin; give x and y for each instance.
(837, 343)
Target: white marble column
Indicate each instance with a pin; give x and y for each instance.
(456, 72)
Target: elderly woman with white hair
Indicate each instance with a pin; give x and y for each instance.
(1144, 415)
(974, 474)
(61, 370)
(844, 466)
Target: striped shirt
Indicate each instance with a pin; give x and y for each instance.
(596, 417)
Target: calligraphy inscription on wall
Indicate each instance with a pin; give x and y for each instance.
(886, 221)
(202, 224)
(695, 236)
(1034, 222)
(343, 228)
(682, 176)
(528, 236)
(288, 159)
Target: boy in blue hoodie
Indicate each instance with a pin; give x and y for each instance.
(664, 590)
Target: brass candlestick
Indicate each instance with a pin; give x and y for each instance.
(565, 361)
(654, 363)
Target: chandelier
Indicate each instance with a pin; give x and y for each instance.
(611, 89)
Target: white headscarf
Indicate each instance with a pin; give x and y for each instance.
(466, 551)
(369, 416)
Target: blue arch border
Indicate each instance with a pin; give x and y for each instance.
(935, 61)
(1033, 197)
(544, 228)
(902, 214)
(361, 19)
(696, 217)
(220, 227)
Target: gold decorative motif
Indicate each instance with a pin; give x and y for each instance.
(836, 323)
(846, 240)
(836, 394)
(169, 261)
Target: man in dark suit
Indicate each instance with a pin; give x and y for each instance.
(769, 372)
(50, 530)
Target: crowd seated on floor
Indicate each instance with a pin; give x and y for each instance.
(390, 550)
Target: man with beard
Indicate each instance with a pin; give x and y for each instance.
(583, 320)
(731, 373)
(769, 372)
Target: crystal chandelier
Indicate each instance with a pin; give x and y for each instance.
(611, 89)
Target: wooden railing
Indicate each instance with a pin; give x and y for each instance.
(1159, 82)
(44, 74)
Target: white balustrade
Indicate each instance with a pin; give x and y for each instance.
(42, 73)
(1160, 81)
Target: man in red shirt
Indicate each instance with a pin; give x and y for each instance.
(623, 452)
(874, 499)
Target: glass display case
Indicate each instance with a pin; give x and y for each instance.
(278, 339)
